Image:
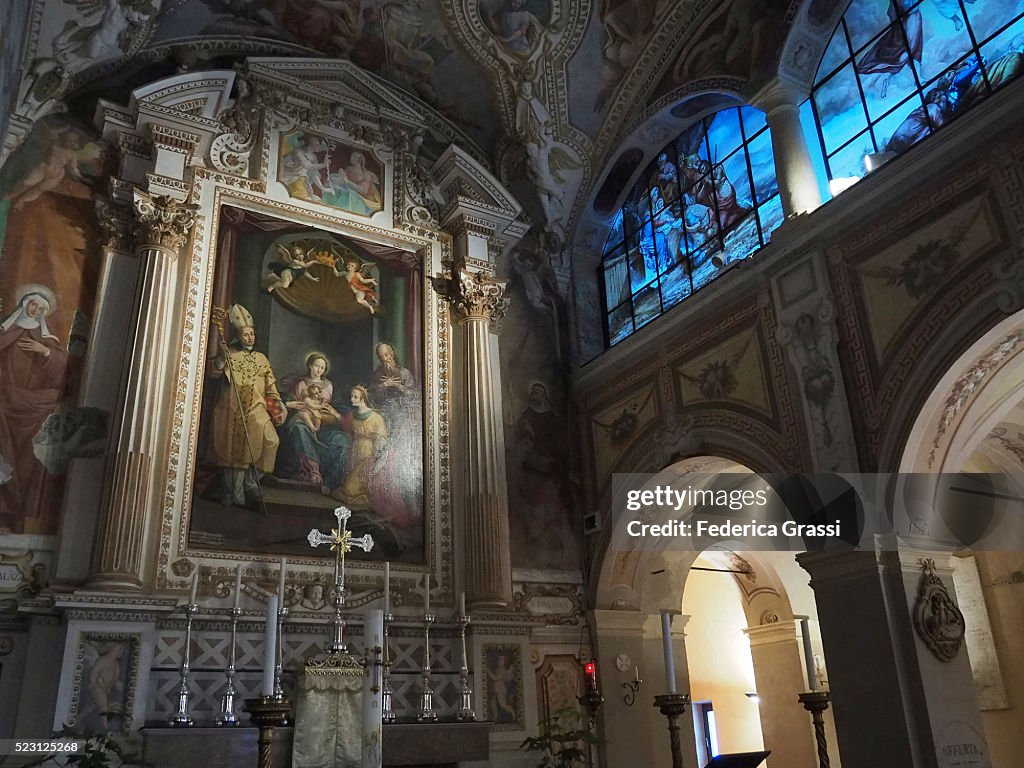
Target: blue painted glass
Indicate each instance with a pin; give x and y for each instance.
(704, 269)
(762, 167)
(615, 233)
(620, 324)
(849, 161)
(699, 224)
(742, 241)
(988, 17)
(905, 126)
(839, 108)
(753, 121)
(616, 279)
(647, 304)
(668, 231)
(810, 126)
(866, 18)
(665, 177)
(724, 135)
(836, 54)
(770, 216)
(1003, 56)
(945, 38)
(675, 286)
(638, 274)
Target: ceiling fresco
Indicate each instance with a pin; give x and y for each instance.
(545, 89)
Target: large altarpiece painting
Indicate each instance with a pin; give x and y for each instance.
(312, 391)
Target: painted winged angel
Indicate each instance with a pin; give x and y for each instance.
(293, 265)
(361, 284)
(52, 155)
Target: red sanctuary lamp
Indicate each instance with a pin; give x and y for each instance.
(591, 698)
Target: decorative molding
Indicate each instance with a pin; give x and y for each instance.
(165, 222)
(472, 295)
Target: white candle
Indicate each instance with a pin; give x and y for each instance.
(812, 679)
(195, 587)
(666, 643)
(270, 646)
(280, 586)
(238, 585)
(387, 586)
(462, 604)
(426, 594)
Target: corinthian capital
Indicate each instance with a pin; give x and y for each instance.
(164, 221)
(472, 295)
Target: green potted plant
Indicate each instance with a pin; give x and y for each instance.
(564, 740)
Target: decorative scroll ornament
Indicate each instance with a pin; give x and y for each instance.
(165, 222)
(473, 295)
(230, 151)
(938, 621)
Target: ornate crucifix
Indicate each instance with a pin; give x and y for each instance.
(341, 541)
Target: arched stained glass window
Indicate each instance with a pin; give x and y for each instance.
(896, 71)
(708, 199)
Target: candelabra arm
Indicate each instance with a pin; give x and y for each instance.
(465, 712)
(426, 713)
(227, 715)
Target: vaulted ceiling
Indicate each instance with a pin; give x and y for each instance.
(588, 81)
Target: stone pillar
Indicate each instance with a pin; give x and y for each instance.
(117, 559)
(478, 300)
(798, 185)
(879, 711)
(638, 734)
(953, 716)
(779, 674)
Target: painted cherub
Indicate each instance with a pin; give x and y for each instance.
(310, 409)
(360, 284)
(293, 265)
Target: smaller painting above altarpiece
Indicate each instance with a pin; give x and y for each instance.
(313, 392)
(318, 169)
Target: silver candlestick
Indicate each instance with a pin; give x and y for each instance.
(465, 713)
(387, 693)
(182, 718)
(426, 712)
(279, 662)
(227, 716)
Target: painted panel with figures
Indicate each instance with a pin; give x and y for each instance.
(48, 275)
(313, 392)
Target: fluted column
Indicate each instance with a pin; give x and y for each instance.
(163, 227)
(477, 301)
(798, 184)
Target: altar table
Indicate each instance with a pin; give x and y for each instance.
(409, 745)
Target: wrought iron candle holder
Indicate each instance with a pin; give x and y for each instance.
(267, 713)
(673, 706)
(465, 712)
(387, 694)
(426, 713)
(227, 716)
(183, 718)
(816, 702)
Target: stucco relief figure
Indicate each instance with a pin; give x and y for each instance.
(546, 163)
(515, 23)
(313, 446)
(105, 29)
(627, 24)
(247, 410)
(33, 364)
